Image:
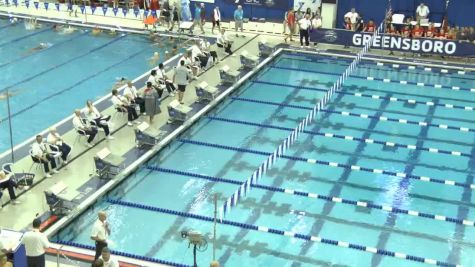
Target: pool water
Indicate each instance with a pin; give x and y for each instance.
(47, 85)
(233, 125)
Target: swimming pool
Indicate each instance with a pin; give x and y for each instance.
(47, 85)
(380, 162)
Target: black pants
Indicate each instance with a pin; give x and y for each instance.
(304, 34)
(170, 87)
(203, 61)
(214, 55)
(227, 49)
(38, 261)
(46, 163)
(99, 247)
(131, 113)
(101, 123)
(10, 186)
(65, 149)
(91, 132)
(141, 102)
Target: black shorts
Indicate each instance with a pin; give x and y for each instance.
(181, 88)
(215, 23)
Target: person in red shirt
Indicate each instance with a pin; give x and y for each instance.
(417, 32)
(391, 30)
(291, 23)
(442, 34)
(431, 31)
(369, 26)
(406, 32)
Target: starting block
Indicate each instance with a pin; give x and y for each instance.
(265, 49)
(248, 61)
(228, 76)
(206, 92)
(177, 111)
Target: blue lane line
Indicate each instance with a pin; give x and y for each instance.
(438, 86)
(64, 63)
(334, 164)
(347, 137)
(274, 231)
(41, 51)
(123, 254)
(24, 37)
(5, 26)
(376, 97)
(72, 86)
(311, 58)
(364, 116)
(334, 199)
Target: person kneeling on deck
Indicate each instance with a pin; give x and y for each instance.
(41, 153)
(223, 42)
(8, 183)
(55, 139)
(122, 105)
(95, 118)
(131, 93)
(82, 126)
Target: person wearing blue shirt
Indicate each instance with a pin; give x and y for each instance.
(238, 19)
(199, 9)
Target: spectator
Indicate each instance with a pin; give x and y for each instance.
(369, 27)
(35, 244)
(151, 99)
(353, 16)
(155, 82)
(109, 261)
(181, 78)
(223, 42)
(8, 183)
(130, 92)
(41, 153)
(391, 30)
(122, 105)
(406, 32)
(304, 25)
(216, 19)
(317, 20)
(96, 119)
(81, 125)
(442, 34)
(238, 19)
(422, 12)
(291, 22)
(54, 138)
(163, 78)
(451, 34)
(431, 31)
(471, 34)
(417, 32)
(100, 232)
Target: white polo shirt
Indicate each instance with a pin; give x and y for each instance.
(132, 91)
(422, 11)
(92, 114)
(53, 138)
(305, 24)
(38, 149)
(99, 230)
(113, 262)
(78, 123)
(153, 79)
(117, 100)
(35, 243)
(353, 16)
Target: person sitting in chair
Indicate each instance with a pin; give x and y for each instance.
(54, 138)
(7, 182)
(95, 117)
(163, 78)
(41, 153)
(223, 42)
(122, 105)
(132, 95)
(82, 126)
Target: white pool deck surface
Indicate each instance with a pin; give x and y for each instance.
(81, 169)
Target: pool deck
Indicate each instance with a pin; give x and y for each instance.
(79, 173)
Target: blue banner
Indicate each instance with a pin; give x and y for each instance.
(115, 10)
(104, 10)
(395, 43)
(46, 4)
(83, 8)
(36, 4)
(93, 9)
(57, 6)
(277, 4)
(124, 11)
(136, 12)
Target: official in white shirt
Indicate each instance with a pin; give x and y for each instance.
(353, 16)
(156, 84)
(304, 25)
(422, 12)
(41, 153)
(54, 138)
(100, 232)
(95, 118)
(223, 42)
(162, 76)
(131, 93)
(122, 105)
(35, 244)
(108, 260)
(8, 183)
(81, 125)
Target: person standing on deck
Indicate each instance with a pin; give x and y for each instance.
(100, 233)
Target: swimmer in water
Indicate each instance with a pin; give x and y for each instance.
(122, 81)
(112, 32)
(167, 55)
(174, 50)
(96, 31)
(4, 96)
(154, 59)
(39, 47)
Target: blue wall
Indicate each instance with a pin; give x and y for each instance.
(461, 12)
